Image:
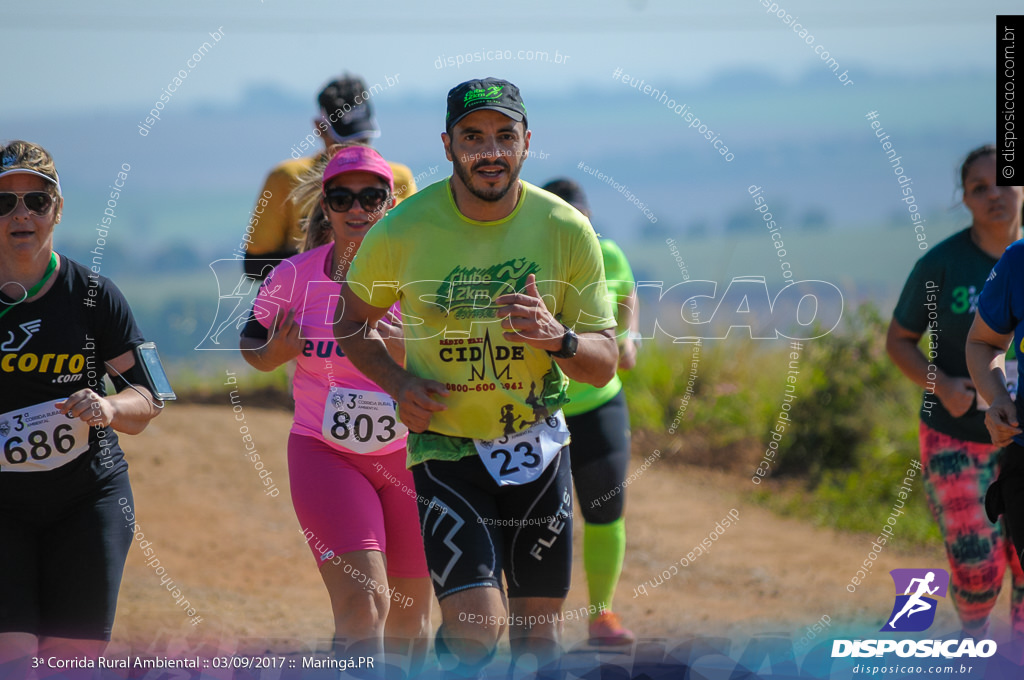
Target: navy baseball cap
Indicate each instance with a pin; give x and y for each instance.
(570, 192)
(489, 93)
(345, 108)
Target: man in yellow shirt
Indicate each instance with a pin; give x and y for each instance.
(346, 116)
(503, 298)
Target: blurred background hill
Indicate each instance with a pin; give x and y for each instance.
(194, 180)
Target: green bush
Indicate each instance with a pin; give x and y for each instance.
(853, 431)
(853, 437)
(203, 382)
(852, 401)
(737, 384)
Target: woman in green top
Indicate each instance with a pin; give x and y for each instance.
(598, 420)
(958, 459)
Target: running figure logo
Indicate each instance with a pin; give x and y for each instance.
(235, 301)
(28, 329)
(914, 610)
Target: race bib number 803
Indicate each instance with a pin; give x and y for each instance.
(39, 438)
(361, 421)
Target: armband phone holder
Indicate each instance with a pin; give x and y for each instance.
(156, 379)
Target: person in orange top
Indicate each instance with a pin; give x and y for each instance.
(346, 116)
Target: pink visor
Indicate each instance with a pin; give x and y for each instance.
(359, 158)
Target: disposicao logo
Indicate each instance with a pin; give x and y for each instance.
(913, 611)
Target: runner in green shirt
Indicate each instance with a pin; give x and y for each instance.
(598, 419)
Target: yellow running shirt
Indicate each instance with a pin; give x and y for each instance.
(446, 270)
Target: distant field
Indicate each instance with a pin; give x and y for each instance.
(239, 558)
(177, 308)
(867, 264)
(209, 222)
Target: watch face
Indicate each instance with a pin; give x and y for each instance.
(570, 342)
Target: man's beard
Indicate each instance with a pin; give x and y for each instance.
(489, 194)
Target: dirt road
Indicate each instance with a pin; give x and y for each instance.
(238, 557)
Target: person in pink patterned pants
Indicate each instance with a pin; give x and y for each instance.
(958, 459)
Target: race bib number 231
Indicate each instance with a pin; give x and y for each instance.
(521, 457)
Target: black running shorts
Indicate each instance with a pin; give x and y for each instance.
(474, 529)
(600, 459)
(61, 562)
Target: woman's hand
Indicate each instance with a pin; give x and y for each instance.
(1001, 421)
(283, 346)
(89, 407)
(956, 394)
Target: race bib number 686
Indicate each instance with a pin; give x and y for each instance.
(40, 437)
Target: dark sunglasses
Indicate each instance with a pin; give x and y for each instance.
(37, 202)
(341, 200)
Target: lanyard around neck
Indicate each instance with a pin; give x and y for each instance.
(36, 288)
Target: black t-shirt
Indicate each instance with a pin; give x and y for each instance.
(942, 294)
(51, 348)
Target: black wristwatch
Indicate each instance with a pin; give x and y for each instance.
(570, 343)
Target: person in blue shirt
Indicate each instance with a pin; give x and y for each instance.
(998, 322)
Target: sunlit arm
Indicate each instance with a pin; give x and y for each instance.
(985, 353)
(356, 332)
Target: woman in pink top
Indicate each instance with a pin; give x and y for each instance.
(351, 491)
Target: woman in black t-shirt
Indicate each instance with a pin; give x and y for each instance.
(958, 460)
(66, 508)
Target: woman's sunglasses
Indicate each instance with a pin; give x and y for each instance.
(341, 200)
(37, 202)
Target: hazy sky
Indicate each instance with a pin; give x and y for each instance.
(92, 56)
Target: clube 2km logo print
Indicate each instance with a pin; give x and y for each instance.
(917, 598)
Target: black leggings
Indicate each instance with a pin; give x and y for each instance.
(600, 457)
(1011, 479)
(61, 563)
